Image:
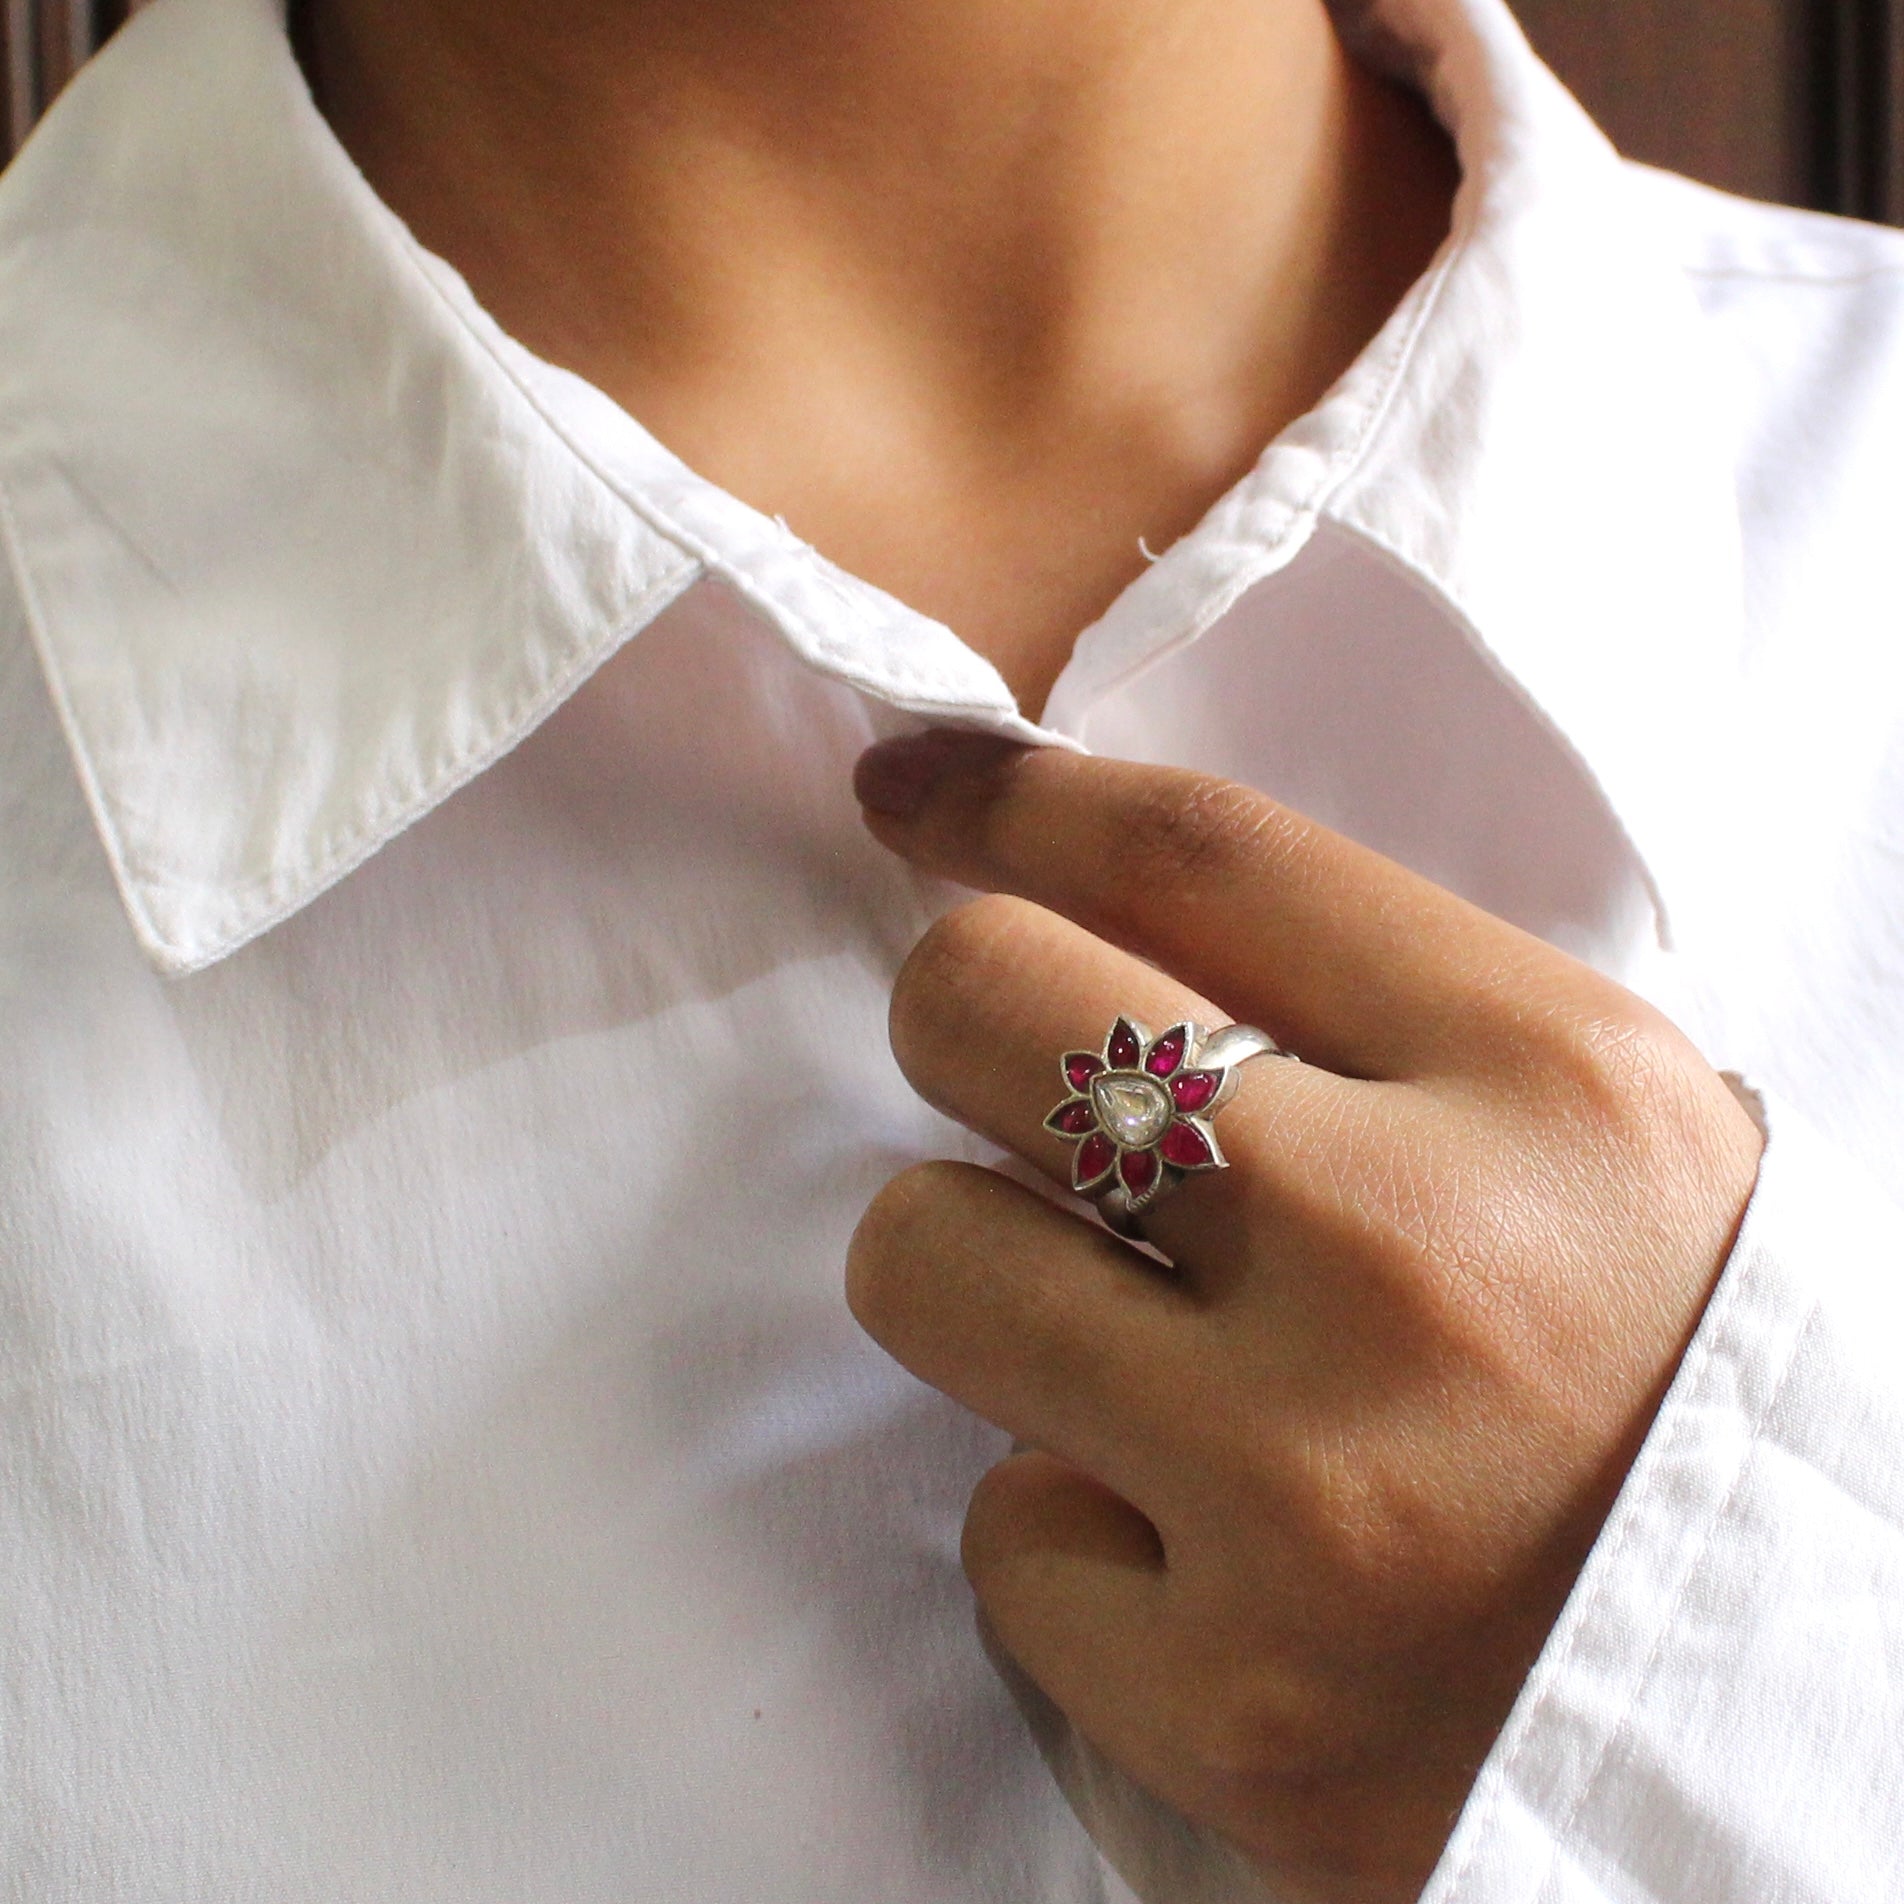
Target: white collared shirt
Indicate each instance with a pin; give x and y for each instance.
(442, 1057)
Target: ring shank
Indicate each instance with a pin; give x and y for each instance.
(1236, 1043)
(1223, 1050)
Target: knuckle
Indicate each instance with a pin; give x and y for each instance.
(1604, 1051)
(1247, 1730)
(1354, 1534)
(992, 1519)
(1628, 1091)
(1379, 1557)
(1200, 829)
(897, 1234)
(1381, 1527)
(959, 957)
(1614, 1071)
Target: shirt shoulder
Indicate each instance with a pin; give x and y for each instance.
(1720, 235)
(1800, 332)
(1804, 323)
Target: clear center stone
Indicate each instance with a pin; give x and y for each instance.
(1134, 1110)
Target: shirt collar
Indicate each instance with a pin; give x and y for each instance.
(306, 542)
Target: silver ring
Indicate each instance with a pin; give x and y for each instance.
(1139, 1111)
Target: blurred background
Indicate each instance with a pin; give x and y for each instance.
(1799, 100)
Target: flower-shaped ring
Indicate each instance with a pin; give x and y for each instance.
(1139, 1111)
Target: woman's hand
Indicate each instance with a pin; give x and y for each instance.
(1302, 1509)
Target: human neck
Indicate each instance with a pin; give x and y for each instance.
(973, 292)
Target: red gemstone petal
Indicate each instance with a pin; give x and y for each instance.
(1167, 1053)
(1080, 1067)
(1072, 1118)
(1138, 1168)
(1192, 1090)
(1186, 1146)
(1093, 1161)
(1124, 1046)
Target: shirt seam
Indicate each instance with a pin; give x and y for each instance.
(1590, 1783)
(782, 614)
(1824, 280)
(395, 812)
(254, 906)
(117, 856)
(1337, 471)
(1704, 1355)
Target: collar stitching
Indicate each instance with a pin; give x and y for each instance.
(780, 614)
(252, 909)
(117, 858)
(1336, 470)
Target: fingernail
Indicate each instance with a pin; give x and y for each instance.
(897, 777)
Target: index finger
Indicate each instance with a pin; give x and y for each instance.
(1350, 960)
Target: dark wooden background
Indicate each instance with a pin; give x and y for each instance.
(44, 42)
(1801, 100)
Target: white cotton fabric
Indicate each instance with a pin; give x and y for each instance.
(442, 1058)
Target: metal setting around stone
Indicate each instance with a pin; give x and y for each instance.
(1139, 1110)
(1131, 1108)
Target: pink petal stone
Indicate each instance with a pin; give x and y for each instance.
(1167, 1053)
(1138, 1169)
(1080, 1067)
(1124, 1046)
(1186, 1146)
(1192, 1090)
(1072, 1119)
(1093, 1161)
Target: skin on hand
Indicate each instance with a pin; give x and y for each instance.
(1301, 1508)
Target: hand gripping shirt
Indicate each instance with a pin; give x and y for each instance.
(442, 1056)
